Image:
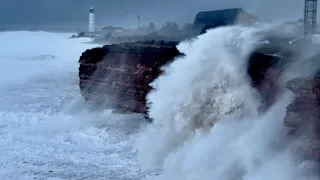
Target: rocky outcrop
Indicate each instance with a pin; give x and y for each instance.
(265, 67)
(118, 75)
(265, 73)
(303, 114)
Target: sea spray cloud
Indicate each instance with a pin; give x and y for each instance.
(205, 116)
(207, 85)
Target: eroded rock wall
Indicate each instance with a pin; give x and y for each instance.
(303, 115)
(118, 75)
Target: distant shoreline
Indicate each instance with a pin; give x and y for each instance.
(35, 28)
(38, 30)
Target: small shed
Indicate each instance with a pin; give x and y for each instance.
(211, 19)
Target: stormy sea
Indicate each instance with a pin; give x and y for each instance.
(206, 122)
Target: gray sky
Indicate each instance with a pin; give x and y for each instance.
(113, 12)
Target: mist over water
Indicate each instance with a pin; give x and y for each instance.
(46, 131)
(206, 124)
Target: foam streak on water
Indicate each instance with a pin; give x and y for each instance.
(206, 125)
(45, 130)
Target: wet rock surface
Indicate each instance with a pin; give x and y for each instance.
(303, 114)
(118, 75)
(264, 73)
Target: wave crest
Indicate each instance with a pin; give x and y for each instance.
(206, 124)
(207, 85)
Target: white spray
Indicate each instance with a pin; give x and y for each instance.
(206, 124)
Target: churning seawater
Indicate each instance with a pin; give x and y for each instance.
(206, 125)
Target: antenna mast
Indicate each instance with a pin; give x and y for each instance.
(310, 17)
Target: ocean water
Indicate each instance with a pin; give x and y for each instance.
(45, 130)
(206, 125)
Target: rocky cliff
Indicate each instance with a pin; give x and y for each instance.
(118, 75)
(303, 115)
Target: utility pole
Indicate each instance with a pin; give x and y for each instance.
(310, 17)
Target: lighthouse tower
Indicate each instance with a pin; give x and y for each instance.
(92, 20)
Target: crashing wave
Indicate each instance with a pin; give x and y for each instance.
(206, 121)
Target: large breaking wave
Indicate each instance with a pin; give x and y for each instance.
(206, 124)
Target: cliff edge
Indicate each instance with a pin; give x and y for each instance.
(303, 115)
(118, 75)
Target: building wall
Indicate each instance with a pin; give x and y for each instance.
(245, 18)
(224, 17)
(291, 29)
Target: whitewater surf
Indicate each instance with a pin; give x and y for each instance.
(45, 130)
(206, 122)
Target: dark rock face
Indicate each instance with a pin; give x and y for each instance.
(303, 114)
(265, 73)
(267, 63)
(118, 75)
(265, 67)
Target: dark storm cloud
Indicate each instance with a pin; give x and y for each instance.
(120, 12)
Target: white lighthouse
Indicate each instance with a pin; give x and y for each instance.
(92, 20)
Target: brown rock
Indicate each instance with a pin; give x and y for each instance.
(303, 114)
(302, 87)
(118, 75)
(265, 72)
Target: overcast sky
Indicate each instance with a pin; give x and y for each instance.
(124, 12)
